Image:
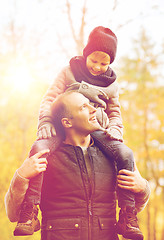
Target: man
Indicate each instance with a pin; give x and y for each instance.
(78, 193)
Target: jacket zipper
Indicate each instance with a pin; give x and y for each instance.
(89, 220)
(90, 201)
(86, 192)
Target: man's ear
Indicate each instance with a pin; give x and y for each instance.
(66, 122)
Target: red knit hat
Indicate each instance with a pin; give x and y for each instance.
(101, 39)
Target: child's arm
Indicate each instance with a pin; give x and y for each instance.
(105, 98)
(59, 85)
(115, 127)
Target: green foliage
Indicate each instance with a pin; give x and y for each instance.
(19, 114)
(142, 111)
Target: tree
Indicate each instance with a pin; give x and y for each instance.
(142, 114)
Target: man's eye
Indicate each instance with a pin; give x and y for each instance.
(93, 61)
(84, 106)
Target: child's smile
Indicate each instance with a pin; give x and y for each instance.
(97, 63)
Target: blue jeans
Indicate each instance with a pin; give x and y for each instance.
(114, 150)
(123, 156)
(33, 194)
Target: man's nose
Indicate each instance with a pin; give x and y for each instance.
(92, 109)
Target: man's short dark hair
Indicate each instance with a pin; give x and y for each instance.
(59, 110)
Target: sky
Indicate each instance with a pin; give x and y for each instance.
(37, 15)
(43, 22)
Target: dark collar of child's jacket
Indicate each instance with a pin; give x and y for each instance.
(81, 73)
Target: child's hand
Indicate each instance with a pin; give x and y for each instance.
(94, 94)
(46, 131)
(34, 165)
(114, 134)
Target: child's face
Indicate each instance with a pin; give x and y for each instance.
(97, 62)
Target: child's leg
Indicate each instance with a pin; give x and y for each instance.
(33, 194)
(28, 222)
(117, 151)
(123, 156)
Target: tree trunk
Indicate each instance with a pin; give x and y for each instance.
(148, 221)
(155, 218)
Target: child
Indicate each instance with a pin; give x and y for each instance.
(91, 75)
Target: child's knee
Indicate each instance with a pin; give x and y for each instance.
(129, 154)
(125, 159)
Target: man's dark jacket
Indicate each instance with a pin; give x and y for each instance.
(75, 206)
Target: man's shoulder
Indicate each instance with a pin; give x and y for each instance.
(42, 144)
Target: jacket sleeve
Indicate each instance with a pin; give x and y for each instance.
(141, 199)
(56, 88)
(114, 113)
(15, 196)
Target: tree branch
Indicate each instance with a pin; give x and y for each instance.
(70, 20)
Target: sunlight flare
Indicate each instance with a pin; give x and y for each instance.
(20, 78)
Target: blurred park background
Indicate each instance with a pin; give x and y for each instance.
(38, 37)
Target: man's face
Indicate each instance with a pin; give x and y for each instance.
(83, 114)
(97, 63)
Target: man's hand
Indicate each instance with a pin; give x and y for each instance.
(34, 165)
(132, 181)
(46, 131)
